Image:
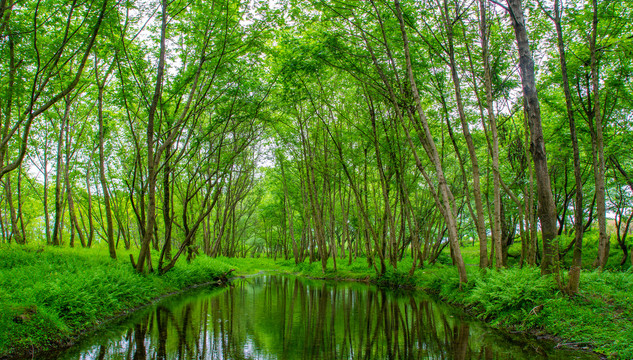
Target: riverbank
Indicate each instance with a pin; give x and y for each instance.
(50, 296)
(600, 318)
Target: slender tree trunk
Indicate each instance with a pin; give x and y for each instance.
(496, 230)
(15, 232)
(330, 197)
(71, 203)
(144, 254)
(91, 228)
(47, 216)
(574, 271)
(102, 167)
(479, 217)
(7, 123)
(603, 240)
(389, 225)
(547, 207)
(167, 196)
(20, 212)
(288, 212)
(344, 211)
(315, 207)
(443, 188)
(206, 240)
(3, 229)
(58, 173)
(529, 204)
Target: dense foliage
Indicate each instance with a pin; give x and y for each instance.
(391, 135)
(49, 296)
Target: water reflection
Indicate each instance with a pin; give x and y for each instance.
(281, 317)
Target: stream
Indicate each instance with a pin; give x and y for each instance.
(287, 317)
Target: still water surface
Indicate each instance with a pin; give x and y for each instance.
(285, 317)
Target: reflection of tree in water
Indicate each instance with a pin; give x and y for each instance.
(289, 318)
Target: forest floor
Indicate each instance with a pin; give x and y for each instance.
(51, 296)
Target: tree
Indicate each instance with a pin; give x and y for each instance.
(574, 271)
(546, 205)
(49, 62)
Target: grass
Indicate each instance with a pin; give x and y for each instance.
(517, 299)
(48, 295)
(470, 252)
(521, 299)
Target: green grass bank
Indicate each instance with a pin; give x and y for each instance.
(49, 295)
(599, 318)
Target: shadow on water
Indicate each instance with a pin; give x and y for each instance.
(284, 317)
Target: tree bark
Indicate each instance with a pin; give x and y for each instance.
(47, 216)
(384, 185)
(167, 198)
(433, 154)
(599, 168)
(71, 203)
(102, 167)
(479, 218)
(58, 173)
(574, 271)
(496, 229)
(288, 211)
(91, 228)
(15, 231)
(547, 207)
(144, 254)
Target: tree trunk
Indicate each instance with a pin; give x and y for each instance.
(20, 212)
(91, 229)
(167, 197)
(496, 229)
(384, 185)
(102, 168)
(47, 216)
(144, 254)
(288, 212)
(547, 207)
(315, 206)
(58, 173)
(479, 218)
(15, 232)
(69, 195)
(574, 271)
(444, 190)
(599, 173)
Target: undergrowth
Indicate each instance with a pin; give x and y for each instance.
(518, 299)
(49, 294)
(601, 316)
(52, 294)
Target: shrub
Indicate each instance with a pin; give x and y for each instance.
(396, 279)
(50, 294)
(514, 292)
